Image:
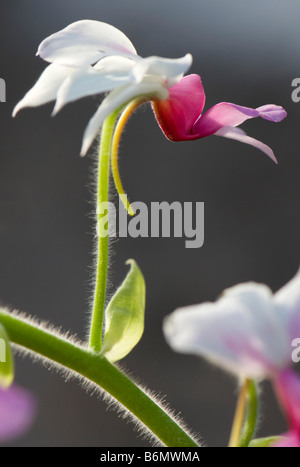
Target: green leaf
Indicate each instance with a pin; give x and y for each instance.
(6, 360)
(124, 316)
(264, 442)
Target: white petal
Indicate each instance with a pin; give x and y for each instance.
(239, 135)
(115, 100)
(288, 299)
(46, 87)
(241, 332)
(166, 68)
(83, 43)
(88, 81)
(116, 64)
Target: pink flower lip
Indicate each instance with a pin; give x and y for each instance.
(180, 116)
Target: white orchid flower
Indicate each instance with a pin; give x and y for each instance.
(250, 332)
(90, 57)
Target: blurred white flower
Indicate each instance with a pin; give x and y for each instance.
(249, 331)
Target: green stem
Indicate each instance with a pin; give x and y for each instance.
(100, 371)
(251, 415)
(95, 340)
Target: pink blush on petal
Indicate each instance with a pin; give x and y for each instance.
(290, 440)
(17, 411)
(287, 387)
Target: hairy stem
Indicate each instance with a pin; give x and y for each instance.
(100, 371)
(95, 340)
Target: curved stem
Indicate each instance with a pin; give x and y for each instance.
(100, 371)
(95, 340)
(251, 416)
(114, 151)
(239, 415)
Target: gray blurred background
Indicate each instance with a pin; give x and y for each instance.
(247, 53)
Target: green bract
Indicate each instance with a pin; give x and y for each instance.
(124, 316)
(264, 442)
(6, 360)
